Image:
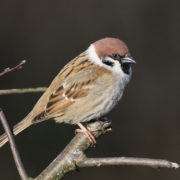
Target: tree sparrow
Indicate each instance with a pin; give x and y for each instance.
(87, 88)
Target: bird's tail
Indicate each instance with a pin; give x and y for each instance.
(16, 130)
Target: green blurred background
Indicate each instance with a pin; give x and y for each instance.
(146, 122)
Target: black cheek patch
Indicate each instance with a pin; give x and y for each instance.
(109, 63)
(126, 68)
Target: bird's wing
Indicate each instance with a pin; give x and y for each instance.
(75, 81)
(66, 95)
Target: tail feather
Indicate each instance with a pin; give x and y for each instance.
(16, 130)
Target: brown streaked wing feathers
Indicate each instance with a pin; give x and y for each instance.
(74, 75)
(67, 97)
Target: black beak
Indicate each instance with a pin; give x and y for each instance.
(128, 60)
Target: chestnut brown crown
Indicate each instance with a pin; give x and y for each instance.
(109, 46)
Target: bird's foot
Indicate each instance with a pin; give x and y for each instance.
(87, 132)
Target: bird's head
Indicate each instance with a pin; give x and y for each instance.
(113, 54)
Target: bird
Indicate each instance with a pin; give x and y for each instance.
(86, 88)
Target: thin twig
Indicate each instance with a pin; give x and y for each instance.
(22, 91)
(7, 70)
(13, 146)
(129, 161)
(73, 156)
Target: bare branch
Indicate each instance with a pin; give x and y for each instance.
(22, 91)
(66, 160)
(7, 70)
(129, 161)
(73, 156)
(13, 146)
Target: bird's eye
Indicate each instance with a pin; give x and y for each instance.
(116, 56)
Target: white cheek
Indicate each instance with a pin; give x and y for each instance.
(92, 56)
(117, 67)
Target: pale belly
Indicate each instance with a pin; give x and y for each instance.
(93, 107)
